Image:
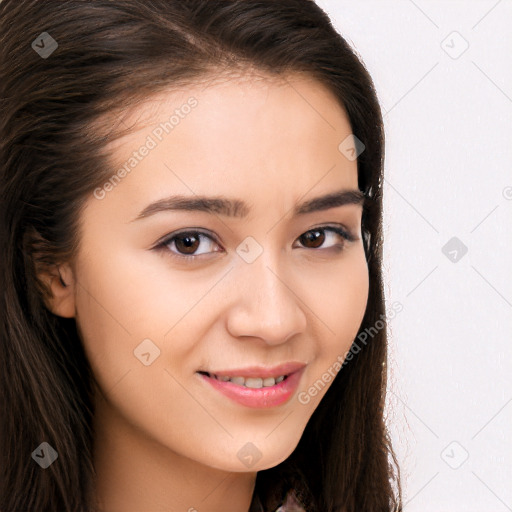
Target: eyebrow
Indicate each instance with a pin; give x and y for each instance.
(239, 209)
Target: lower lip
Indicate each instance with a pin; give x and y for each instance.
(260, 398)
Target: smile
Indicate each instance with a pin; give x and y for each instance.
(254, 392)
(249, 382)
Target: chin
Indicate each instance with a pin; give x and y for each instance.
(249, 459)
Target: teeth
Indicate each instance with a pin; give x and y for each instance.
(251, 382)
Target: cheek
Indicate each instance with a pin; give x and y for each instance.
(341, 305)
(124, 312)
(131, 294)
(115, 312)
(342, 301)
(125, 299)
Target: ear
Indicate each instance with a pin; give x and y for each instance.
(61, 284)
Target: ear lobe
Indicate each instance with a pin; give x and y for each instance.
(61, 284)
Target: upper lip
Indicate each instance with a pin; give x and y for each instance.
(261, 371)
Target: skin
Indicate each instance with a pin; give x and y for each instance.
(165, 441)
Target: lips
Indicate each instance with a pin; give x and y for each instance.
(262, 372)
(248, 389)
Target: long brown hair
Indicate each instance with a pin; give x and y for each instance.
(60, 102)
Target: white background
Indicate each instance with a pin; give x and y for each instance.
(448, 173)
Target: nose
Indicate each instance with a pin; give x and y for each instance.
(266, 304)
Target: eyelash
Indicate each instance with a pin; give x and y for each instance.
(163, 245)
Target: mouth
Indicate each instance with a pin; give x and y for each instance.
(248, 382)
(256, 387)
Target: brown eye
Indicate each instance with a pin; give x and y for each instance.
(314, 237)
(187, 244)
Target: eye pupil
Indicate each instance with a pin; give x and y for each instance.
(187, 242)
(316, 236)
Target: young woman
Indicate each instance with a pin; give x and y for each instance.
(191, 204)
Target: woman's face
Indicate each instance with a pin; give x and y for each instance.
(255, 278)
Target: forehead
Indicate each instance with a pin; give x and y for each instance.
(237, 98)
(253, 137)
